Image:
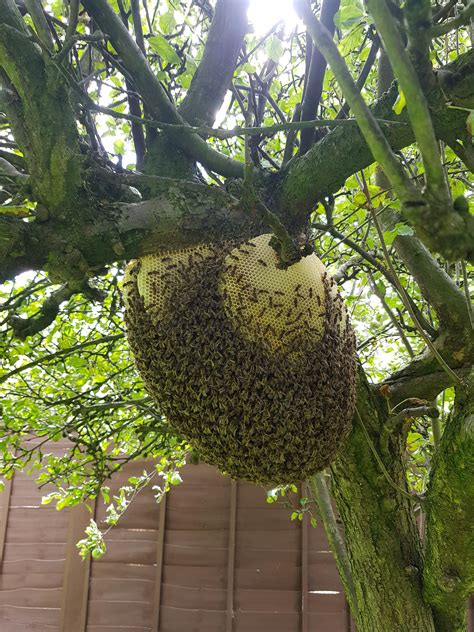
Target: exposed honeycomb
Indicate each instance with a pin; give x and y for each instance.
(157, 276)
(277, 306)
(265, 416)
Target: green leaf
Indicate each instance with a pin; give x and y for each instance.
(175, 479)
(398, 229)
(400, 103)
(274, 48)
(167, 22)
(470, 123)
(160, 45)
(250, 68)
(346, 17)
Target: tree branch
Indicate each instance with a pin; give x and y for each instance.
(39, 20)
(379, 146)
(435, 284)
(449, 559)
(308, 178)
(60, 354)
(320, 492)
(153, 94)
(364, 73)
(42, 118)
(181, 214)
(419, 20)
(214, 74)
(315, 78)
(417, 106)
(24, 327)
(464, 17)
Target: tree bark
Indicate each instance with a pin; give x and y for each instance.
(380, 528)
(449, 568)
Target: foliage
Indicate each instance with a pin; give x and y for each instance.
(75, 209)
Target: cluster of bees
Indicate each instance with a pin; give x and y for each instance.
(253, 364)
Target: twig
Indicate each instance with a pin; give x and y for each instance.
(286, 248)
(392, 316)
(364, 73)
(97, 36)
(60, 354)
(321, 494)
(381, 465)
(378, 144)
(464, 17)
(407, 303)
(221, 133)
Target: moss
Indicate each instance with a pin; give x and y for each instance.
(256, 414)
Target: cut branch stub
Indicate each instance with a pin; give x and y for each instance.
(264, 389)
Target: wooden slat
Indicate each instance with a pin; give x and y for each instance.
(231, 557)
(304, 565)
(6, 496)
(31, 597)
(76, 575)
(174, 619)
(191, 598)
(18, 614)
(155, 621)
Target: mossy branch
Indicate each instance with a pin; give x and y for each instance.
(153, 94)
(417, 106)
(371, 131)
(463, 18)
(449, 558)
(42, 118)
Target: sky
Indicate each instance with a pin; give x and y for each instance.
(263, 14)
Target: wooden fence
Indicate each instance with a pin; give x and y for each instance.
(212, 557)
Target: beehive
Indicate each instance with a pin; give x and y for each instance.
(254, 364)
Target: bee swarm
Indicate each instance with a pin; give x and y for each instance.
(254, 364)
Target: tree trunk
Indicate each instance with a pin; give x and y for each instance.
(381, 534)
(449, 566)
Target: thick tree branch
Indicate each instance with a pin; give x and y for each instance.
(315, 78)
(214, 74)
(153, 94)
(340, 153)
(181, 214)
(449, 560)
(435, 284)
(42, 118)
(419, 21)
(24, 327)
(410, 383)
